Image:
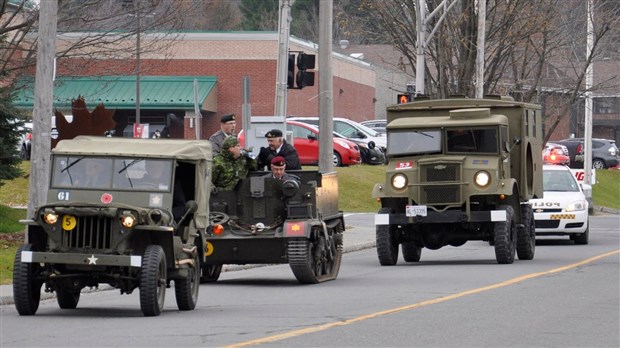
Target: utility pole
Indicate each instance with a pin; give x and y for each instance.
(423, 40)
(326, 88)
(587, 140)
(42, 113)
(284, 24)
(482, 13)
(137, 8)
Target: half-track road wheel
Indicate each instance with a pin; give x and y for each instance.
(316, 259)
(186, 290)
(505, 237)
(526, 236)
(26, 287)
(387, 247)
(153, 281)
(210, 273)
(67, 299)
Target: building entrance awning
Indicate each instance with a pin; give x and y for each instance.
(119, 92)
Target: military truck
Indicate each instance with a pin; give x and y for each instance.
(269, 221)
(131, 213)
(459, 170)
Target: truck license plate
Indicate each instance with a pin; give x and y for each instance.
(415, 210)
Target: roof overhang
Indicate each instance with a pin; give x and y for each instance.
(119, 92)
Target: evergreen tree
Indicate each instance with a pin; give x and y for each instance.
(9, 138)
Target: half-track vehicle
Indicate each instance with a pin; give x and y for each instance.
(460, 170)
(131, 213)
(269, 221)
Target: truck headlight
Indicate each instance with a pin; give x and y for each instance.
(50, 217)
(399, 181)
(576, 206)
(482, 178)
(128, 220)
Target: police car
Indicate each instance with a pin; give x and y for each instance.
(563, 211)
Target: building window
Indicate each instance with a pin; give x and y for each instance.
(608, 105)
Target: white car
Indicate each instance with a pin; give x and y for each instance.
(563, 211)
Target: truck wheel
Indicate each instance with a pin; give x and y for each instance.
(186, 290)
(153, 281)
(505, 238)
(67, 299)
(526, 236)
(210, 273)
(26, 288)
(315, 261)
(411, 251)
(582, 238)
(387, 247)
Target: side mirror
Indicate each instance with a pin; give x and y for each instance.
(312, 136)
(191, 207)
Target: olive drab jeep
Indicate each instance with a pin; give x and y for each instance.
(267, 221)
(130, 213)
(460, 170)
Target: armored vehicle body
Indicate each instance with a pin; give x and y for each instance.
(267, 221)
(460, 170)
(131, 213)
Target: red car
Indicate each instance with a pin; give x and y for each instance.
(306, 142)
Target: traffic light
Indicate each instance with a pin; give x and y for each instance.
(290, 79)
(305, 62)
(404, 98)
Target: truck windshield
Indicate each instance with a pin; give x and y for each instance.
(468, 140)
(106, 173)
(412, 142)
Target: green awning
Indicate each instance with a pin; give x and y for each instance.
(119, 92)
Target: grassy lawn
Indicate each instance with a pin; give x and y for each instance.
(355, 189)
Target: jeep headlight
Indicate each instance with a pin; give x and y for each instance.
(128, 220)
(576, 206)
(399, 181)
(50, 217)
(482, 178)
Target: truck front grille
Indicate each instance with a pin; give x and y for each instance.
(441, 183)
(90, 232)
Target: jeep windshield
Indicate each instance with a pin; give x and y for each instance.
(414, 142)
(83, 172)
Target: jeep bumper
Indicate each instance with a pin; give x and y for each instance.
(81, 259)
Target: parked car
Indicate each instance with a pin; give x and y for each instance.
(350, 129)
(555, 154)
(25, 143)
(377, 125)
(563, 210)
(605, 153)
(369, 152)
(306, 142)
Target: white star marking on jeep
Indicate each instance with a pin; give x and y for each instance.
(92, 260)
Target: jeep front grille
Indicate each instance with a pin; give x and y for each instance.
(440, 183)
(90, 232)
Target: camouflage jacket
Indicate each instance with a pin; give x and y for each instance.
(227, 171)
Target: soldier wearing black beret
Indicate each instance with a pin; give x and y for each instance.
(277, 146)
(227, 129)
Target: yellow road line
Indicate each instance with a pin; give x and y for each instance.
(317, 328)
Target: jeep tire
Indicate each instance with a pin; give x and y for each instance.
(153, 281)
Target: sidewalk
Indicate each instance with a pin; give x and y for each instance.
(355, 238)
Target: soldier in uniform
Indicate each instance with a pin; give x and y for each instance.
(277, 146)
(278, 170)
(230, 165)
(227, 129)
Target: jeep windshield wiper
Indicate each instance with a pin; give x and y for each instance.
(129, 164)
(425, 134)
(72, 164)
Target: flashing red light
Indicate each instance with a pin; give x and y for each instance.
(218, 229)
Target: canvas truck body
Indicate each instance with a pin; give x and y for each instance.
(131, 213)
(460, 170)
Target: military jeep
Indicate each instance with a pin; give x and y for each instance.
(268, 221)
(460, 170)
(130, 213)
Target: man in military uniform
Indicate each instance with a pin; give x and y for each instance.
(230, 165)
(278, 170)
(277, 146)
(227, 129)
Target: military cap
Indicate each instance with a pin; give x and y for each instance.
(230, 142)
(274, 133)
(227, 118)
(278, 161)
